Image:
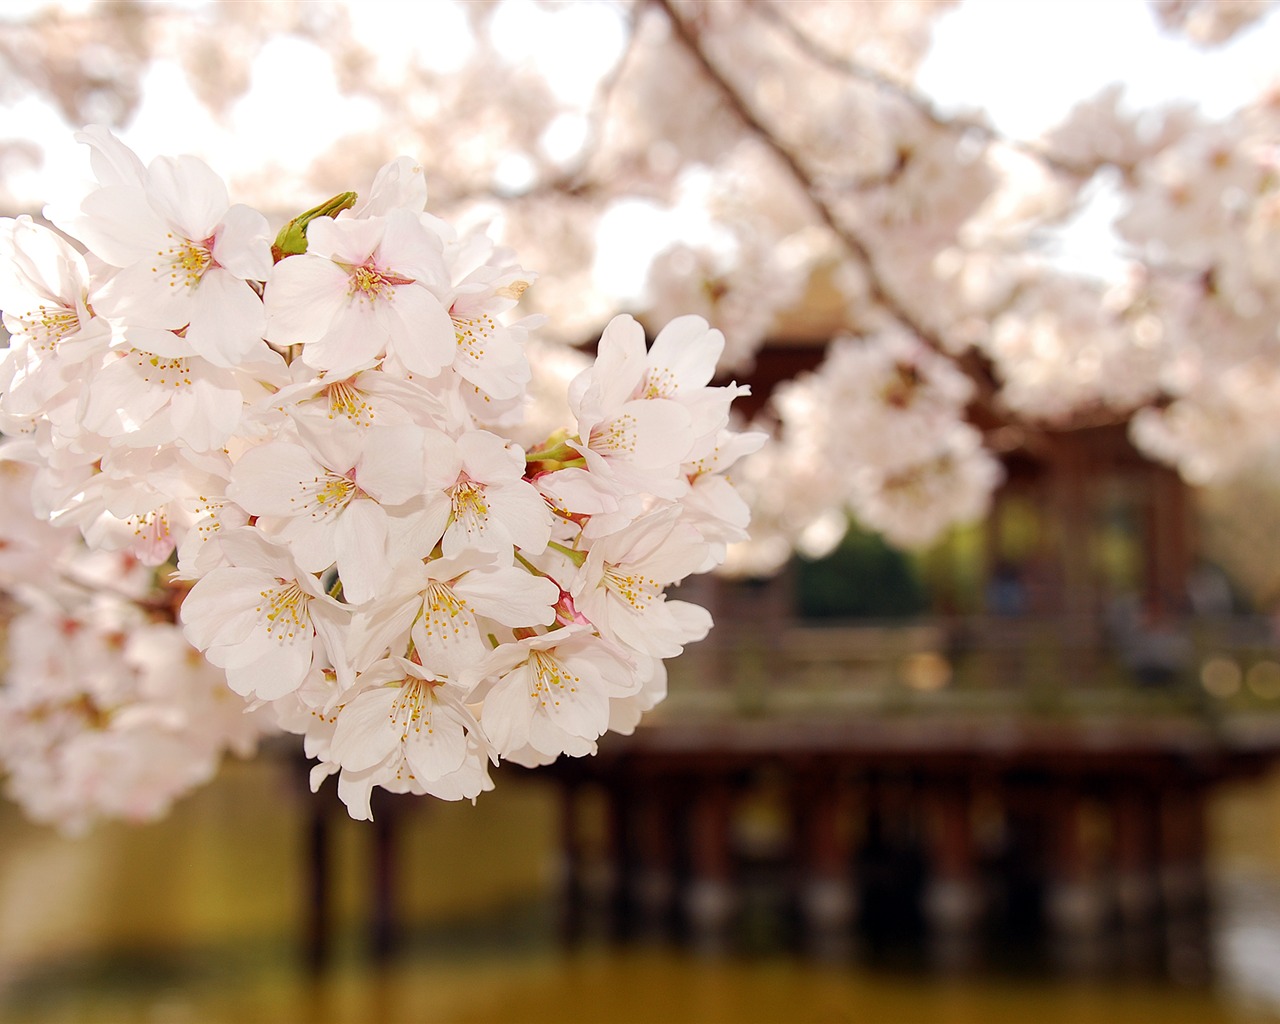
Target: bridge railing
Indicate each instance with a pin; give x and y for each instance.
(1047, 664)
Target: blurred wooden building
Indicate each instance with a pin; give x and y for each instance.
(1029, 756)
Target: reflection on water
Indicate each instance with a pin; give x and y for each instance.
(197, 920)
(504, 968)
(435, 984)
(1247, 939)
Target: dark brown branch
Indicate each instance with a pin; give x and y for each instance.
(877, 289)
(575, 180)
(925, 107)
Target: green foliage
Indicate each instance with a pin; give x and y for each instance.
(864, 578)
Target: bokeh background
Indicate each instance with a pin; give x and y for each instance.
(1086, 650)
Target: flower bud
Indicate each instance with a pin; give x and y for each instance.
(292, 239)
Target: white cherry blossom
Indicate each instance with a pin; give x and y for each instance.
(187, 256)
(365, 288)
(446, 607)
(326, 500)
(374, 545)
(620, 587)
(552, 692)
(262, 619)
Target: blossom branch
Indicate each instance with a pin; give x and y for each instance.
(855, 246)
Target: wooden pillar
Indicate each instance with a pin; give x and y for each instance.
(1183, 880)
(710, 900)
(1135, 847)
(1076, 909)
(318, 917)
(1073, 492)
(383, 926)
(1167, 542)
(993, 543)
(654, 879)
(952, 899)
(619, 860)
(821, 858)
(572, 891)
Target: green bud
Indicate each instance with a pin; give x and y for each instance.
(292, 239)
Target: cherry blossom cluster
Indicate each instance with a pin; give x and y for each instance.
(382, 521)
(106, 711)
(810, 187)
(880, 434)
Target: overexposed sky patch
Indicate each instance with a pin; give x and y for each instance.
(406, 33)
(1027, 62)
(571, 45)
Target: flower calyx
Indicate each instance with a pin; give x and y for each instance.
(292, 239)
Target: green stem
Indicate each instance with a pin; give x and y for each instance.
(561, 452)
(292, 239)
(576, 557)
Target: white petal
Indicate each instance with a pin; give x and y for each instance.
(278, 669)
(267, 480)
(360, 547)
(241, 244)
(436, 747)
(420, 331)
(391, 466)
(227, 319)
(365, 733)
(508, 708)
(187, 193)
(510, 595)
(685, 353)
(304, 295)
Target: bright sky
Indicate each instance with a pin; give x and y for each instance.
(1025, 61)
(1028, 62)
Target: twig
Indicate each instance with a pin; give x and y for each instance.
(856, 247)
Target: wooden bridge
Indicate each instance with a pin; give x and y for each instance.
(937, 785)
(959, 778)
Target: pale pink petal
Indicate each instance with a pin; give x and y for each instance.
(649, 433)
(355, 790)
(399, 184)
(304, 296)
(684, 355)
(119, 225)
(418, 329)
(241, 244)
(435, 746)
(410, 250)
(360, 542)
(220, 607)
(524, 514)
(112, 161)
(348, 240)
(617, 372)
(278, 669)
(186, 192)
(365, 733)
(205, 415)
(227, 319)
(267, 480)
(489, 458)
(391, 467)
(508, 708)
(355, 338)
(512, 596)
